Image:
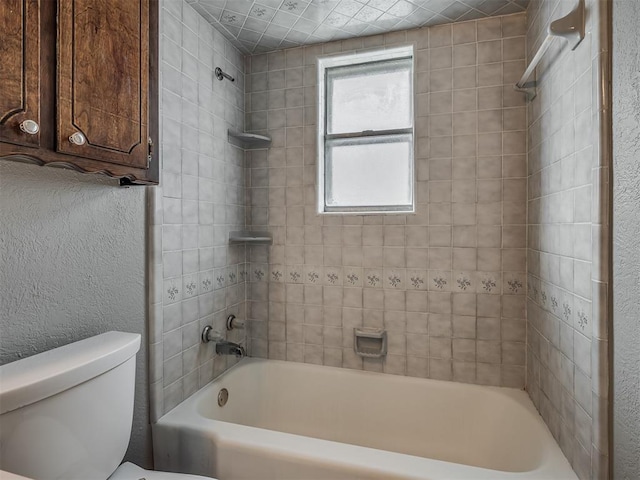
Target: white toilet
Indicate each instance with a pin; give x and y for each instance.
(66, 414)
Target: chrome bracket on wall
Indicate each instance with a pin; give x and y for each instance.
(529, 89)
(570, 27)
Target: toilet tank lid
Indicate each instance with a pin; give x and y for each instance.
(34, 378)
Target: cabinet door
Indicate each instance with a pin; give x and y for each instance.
(20, 72)
(103, 80)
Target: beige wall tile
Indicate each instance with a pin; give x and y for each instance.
(406, 273)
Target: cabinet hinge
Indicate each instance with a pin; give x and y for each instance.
(150, 155)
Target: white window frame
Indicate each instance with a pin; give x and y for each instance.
(357, 59)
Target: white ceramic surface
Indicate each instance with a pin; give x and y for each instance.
(286, 420)
(11, 476)
(40, 376)
(66, 413)
(129, 471)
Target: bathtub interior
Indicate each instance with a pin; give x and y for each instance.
(464, 424)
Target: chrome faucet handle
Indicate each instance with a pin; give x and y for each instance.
(233, 323)
(210, 335)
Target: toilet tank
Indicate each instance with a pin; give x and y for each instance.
(66, 413)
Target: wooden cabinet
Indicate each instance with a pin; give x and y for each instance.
(20, 72)
(86, 72)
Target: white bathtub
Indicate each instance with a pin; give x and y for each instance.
(286, 420)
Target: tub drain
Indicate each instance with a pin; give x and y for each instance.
(223, 396)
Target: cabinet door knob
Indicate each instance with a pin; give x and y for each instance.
(29, 126)
(78, 139)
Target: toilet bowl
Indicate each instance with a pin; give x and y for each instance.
(66, 414)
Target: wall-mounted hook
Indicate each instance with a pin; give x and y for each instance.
(220, 75)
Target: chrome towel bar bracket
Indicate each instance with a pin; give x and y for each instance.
(571, 27)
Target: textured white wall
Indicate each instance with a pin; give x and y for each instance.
(626, 232)
(72, 258)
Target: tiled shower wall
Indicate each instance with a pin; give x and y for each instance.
(568, 256)
(196, 278)
(448, 283)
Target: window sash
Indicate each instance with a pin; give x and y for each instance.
(401, 135)
(363, 69)
(369, 133)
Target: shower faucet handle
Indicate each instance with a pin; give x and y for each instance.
(210, 335)
(233, 323)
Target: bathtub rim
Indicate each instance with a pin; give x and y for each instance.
(187, 416)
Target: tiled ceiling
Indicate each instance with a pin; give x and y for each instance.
(265, 25)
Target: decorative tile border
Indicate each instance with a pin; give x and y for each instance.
(172, 290)
(353, 277)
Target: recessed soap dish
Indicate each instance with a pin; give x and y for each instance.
(370, 342)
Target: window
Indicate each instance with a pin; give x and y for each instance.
(365, 134)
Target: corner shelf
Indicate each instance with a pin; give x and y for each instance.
(252, 238)
(249, 141)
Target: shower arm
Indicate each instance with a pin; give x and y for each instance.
(220, 75)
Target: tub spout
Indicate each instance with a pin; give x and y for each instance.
(229, 348)
(223, 347)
